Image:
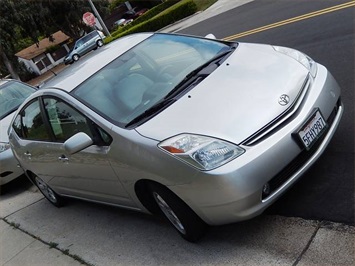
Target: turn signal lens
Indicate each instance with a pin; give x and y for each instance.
(4, 146)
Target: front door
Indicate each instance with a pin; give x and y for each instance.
(48, 122)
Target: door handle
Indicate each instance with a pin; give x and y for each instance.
(63, 159)
(27, 154)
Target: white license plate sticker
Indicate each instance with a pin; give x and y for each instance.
(312, 129)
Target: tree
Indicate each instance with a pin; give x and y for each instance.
(66, 15)
(6, 35)
(115, 3)
(20, 19)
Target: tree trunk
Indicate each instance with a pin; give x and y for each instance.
(8, 65)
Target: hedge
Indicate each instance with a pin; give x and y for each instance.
(147, 15)
(170, 15)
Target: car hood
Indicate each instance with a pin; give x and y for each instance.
(236, 100)
(4, 125)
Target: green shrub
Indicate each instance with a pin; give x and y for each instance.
(172, 14)
(52, 48)
(154, 11)
(147, 15)
(24, 73)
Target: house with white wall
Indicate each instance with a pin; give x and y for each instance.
(41, 57)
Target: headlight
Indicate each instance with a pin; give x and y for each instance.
(300, 57)
(203, 152)
(4, 146)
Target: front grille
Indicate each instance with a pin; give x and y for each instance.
(283, 176)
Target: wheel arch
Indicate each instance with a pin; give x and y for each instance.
(30, 175)
(98, 41)
(142, 189)
(193, 227)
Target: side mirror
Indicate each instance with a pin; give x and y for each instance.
(210, 36)
(77, 143)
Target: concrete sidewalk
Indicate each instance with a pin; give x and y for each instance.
(18, 247)
(47, 75)
(33, 232)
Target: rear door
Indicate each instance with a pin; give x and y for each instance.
(90, 41)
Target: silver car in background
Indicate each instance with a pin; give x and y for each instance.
(85, 44)
(202, 131)
(12, 95)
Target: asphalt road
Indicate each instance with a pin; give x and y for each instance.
(326, 192)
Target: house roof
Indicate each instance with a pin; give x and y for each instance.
(34, 50)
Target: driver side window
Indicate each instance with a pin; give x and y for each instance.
(64, 120)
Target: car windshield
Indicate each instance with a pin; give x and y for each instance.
(142, 77)
(12, 95)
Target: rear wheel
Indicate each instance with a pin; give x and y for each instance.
(100, 43)
(50, 195)
(179, 214)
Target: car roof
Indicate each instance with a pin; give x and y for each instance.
(3, 81)
(77, 73)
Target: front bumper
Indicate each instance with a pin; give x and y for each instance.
(9, 168)
(233, 192)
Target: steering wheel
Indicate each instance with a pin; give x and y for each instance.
(164, 74)
(147, 63)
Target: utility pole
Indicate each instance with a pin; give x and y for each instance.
(107, 33)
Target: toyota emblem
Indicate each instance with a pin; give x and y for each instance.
(284, 99)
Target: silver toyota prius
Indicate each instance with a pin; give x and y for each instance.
(201, 131)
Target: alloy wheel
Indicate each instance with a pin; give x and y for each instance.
(47, 191)
(169, 213)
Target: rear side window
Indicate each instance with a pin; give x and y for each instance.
(29, 123)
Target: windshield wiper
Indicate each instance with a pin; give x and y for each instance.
(156, 108)
(202, 71)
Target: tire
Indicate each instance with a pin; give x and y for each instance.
(48, 193)
(76, 57)
(100, 43)
(178, 213)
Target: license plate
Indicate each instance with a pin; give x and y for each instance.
(312, 129)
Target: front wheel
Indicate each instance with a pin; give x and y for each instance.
(76, 57)
(49, 194)
(179, 214)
